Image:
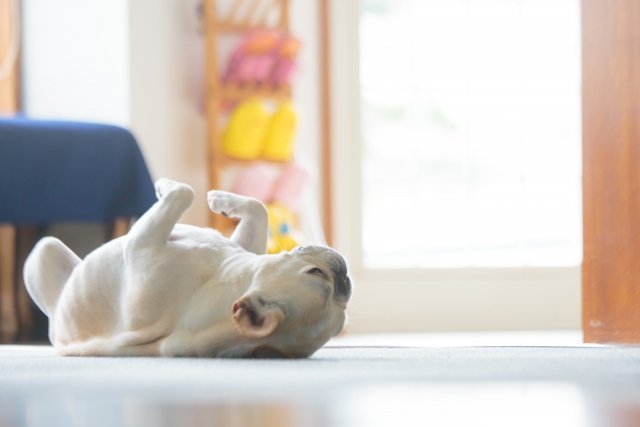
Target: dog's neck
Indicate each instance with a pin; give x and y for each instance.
(236, 274)
(218, 336)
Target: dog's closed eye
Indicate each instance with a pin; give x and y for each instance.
(317, 272)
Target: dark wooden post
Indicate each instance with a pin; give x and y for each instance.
(611, 160)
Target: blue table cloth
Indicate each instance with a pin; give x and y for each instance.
(70, 172)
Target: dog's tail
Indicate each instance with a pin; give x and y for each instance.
(46, 271)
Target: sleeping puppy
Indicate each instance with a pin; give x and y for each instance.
(168, 289)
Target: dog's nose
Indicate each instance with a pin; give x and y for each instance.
(343, 288)
(339, 270)
(244, 302)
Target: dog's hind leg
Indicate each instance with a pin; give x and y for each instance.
(252, 232)
(154, 227)
(46, 271)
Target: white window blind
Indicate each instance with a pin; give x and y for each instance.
(471, 130)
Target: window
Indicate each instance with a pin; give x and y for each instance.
(473, 219)
(471, 130)
(76, 61)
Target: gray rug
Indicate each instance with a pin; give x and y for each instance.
(29, 369)
(340, 386)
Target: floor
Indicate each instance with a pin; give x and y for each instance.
(477, 379)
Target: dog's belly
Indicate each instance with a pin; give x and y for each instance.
(120, 302)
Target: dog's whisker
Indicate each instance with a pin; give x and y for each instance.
(278, 242)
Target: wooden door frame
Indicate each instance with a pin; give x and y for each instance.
(325, 120)
(611, 170)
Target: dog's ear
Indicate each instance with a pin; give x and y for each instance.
(268, 352)
(253, 323)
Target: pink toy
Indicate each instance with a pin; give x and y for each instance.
(253, 68)
(288, 187)
(285, 66)
(263, 56)
(253, 59)
(255, 182)
(285, 189)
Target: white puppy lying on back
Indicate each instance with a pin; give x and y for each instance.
(178, 290)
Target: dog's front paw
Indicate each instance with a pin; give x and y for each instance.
(163, 185)
(225, 203)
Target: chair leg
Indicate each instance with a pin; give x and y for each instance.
(119, 227)
(27, 237)
(8, 317)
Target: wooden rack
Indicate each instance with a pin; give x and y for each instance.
(243, 16)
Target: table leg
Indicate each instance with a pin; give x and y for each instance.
(27, 237)
(119, 227)
(8, 318)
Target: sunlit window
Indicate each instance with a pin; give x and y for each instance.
(472, 133)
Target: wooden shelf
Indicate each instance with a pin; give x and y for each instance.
(234, 92)
(225, 160)
(251, 15)
(231, 28)
(242, 17)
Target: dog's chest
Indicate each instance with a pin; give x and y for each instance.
(196, 252)
(212, 272)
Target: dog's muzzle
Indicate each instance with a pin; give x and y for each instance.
(252, 312)
(339, 271)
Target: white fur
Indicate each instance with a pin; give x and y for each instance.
(178, 290)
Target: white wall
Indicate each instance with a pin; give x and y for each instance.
(139, 64)
(305, 25)
(166, 82)
(75, 60)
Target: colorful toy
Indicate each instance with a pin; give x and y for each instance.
(280, 194)
(263, 56)
(285, 66)
(282, 233)
(289, 185)
(253, 59)
(244, 135)
(255, 182)
(279, 138)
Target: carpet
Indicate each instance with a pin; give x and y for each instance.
(33, 376)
